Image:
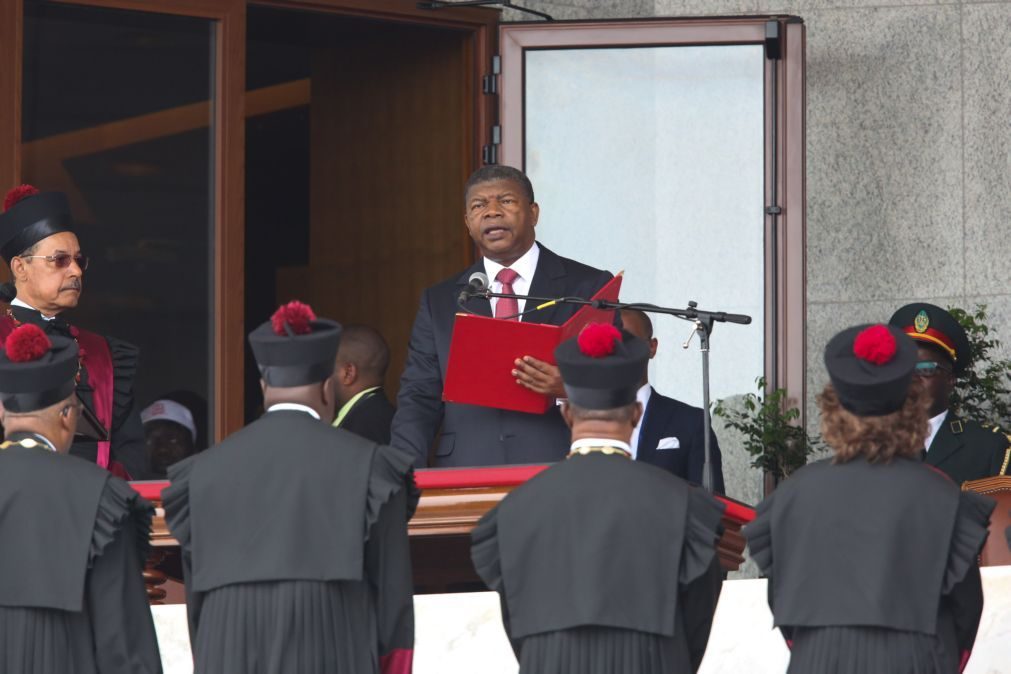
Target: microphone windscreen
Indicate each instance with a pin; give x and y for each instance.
(479, 277)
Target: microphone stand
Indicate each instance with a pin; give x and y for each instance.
(702, 320)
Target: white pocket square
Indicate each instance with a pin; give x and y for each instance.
(668, 443)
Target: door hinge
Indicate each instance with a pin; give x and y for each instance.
(773, 41)
(489, 153)
(489, 83)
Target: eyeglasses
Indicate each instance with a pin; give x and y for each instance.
(929, 368)
(62, 260)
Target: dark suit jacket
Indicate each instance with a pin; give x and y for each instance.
(370, 417)
(668, 418)
(966, 450)
(472, 435)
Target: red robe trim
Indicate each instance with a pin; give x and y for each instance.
(397, 661)
(97, 360)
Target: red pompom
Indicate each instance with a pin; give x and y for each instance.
(26, 343)
(875, 345)
(598, 339)
(17, 194)
(297, 315)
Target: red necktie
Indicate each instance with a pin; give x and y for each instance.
(507, 307)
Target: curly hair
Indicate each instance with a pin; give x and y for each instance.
(901, 433)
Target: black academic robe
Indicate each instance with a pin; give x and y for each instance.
(370, 417)
(295, 552)
(126, 434)
(472, 435)
(667, 422)
(872, 567)
(604, 566)
(965, 450)
(74, 540)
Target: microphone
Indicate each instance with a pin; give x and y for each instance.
(477, 283)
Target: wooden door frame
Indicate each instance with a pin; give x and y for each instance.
(229, 140)
(785, 262)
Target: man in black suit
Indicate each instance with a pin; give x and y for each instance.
(362, 360)
(962, 448)
(500, 215)
(669, 434)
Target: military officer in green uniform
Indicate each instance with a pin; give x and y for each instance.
(962, 448)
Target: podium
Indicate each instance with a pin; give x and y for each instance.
(452, 502)
(997, 550)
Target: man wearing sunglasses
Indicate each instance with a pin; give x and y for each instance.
(47, 267)
(962, 448)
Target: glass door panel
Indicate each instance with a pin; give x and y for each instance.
(117, 112)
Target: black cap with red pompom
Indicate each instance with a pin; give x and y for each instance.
(30, 216)
(603, 367)
(295, 348)
(871, 367)
(36, 370)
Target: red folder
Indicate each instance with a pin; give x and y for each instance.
(483, 351)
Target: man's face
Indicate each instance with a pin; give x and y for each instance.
(501, 220)
(938, 385)
(167, 443)
(43, 283)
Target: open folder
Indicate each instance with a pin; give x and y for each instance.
(483, 351)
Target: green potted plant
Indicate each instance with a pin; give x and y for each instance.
(772, 434)
(983, 392)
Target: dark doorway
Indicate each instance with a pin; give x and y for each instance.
(359, 137)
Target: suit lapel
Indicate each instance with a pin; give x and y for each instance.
(549, 281)
(479, 305)
(945, 442)
(649, 432)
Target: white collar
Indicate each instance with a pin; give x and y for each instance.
(643, 395)
(935, 424)
(601, 442)
(294, 407)
(525, 266)
(16, 302)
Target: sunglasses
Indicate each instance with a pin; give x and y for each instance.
(929, 368)
(62, 260)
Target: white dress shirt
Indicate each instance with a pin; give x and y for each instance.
(294, 407)
(18, 303)
(642, 395)
(525, 267)
(935, 426)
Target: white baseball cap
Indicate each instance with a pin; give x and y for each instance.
(170, 410)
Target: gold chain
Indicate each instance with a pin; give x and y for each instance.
(27, 443)
(584, 451)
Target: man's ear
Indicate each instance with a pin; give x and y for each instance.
(567, 413)
(68, 421)
(18, 271)
(348, 373)
(327, 388)
(652, 347)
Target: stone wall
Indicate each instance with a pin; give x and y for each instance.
(908, 153)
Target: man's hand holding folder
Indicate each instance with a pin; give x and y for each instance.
(511, 364)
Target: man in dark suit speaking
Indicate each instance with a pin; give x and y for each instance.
(670, 432)
(500, 215)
